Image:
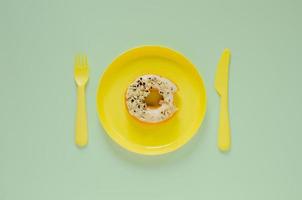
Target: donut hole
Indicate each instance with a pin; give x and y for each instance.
(153, 99)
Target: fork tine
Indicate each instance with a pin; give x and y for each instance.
(81, 60)
(85, 61)
(77, 61)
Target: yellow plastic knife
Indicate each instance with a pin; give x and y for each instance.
(221, 85)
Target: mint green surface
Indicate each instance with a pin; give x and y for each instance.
(38, 158)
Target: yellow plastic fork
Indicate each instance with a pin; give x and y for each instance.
(81, 73)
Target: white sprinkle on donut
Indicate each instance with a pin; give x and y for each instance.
(140, 89)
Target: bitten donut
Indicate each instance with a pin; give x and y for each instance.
(150, 98)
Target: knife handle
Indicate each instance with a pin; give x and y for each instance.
(224, 131)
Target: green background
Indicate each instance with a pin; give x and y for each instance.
(39, 39)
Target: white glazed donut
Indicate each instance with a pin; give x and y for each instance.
(139, 90)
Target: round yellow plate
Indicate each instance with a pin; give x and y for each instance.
(151, 139)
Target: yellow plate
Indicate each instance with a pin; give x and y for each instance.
(151, 139)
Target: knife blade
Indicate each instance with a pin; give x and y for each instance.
(222, 74)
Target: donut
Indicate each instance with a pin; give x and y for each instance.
(150, 98)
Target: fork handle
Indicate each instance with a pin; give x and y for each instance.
(224, 131)
(81, 134)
